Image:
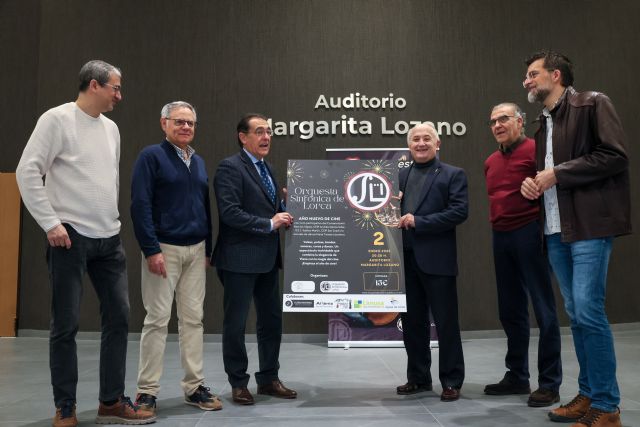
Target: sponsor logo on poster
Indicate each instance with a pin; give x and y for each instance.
(364, 304)
(302, 303)
(303, 286)
(343, 304)
(331, 286)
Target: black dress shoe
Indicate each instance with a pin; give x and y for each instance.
(506, 387)
(413, 388)
(450, 394)
(277, 389)
(242, 396)
(543, 397)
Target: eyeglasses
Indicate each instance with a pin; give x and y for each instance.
(116, 88)
(531, 75)
(182, 122)
(502, 120)
(260, 132)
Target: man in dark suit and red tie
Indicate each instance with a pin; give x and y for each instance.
(434, 202)
(247, 258)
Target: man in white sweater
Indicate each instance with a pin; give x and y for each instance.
(76, 150)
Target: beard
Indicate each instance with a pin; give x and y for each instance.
(538, 96)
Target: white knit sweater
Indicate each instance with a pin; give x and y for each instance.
(79, 154)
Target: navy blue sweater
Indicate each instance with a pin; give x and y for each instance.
(169, 201)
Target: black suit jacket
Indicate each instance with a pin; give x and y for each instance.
(245, 243)
(443, 205)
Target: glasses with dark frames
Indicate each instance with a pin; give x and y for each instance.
(182, 122)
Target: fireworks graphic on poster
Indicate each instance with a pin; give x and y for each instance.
(347, 176)
(365, 220)
(380, 166)
(294, 173)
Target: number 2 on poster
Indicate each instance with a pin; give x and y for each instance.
(378, 241)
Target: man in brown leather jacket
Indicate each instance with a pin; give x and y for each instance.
(583, 184)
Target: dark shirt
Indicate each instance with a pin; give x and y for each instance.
(415, 183)
(412, 194)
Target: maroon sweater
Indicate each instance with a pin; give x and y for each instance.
(504, 172)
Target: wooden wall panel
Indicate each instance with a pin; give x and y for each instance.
(9, 252)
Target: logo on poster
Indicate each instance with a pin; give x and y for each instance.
(343, 304)
(368, 191)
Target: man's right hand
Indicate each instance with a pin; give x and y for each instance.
(155, 263)
(529, 189)
(280, 219)
(58, 236)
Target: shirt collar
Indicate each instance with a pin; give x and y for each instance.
(511, 148)
(189, 150)
(254, 160)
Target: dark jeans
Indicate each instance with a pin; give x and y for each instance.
(104, 261)
(239, 289)
(439, 293)
(521, 269)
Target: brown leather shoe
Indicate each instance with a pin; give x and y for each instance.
(65, 416)
(413, 388)
(597, 418)
(277, 389)
(450, 394)
(123, 412)
(242, 396)
(572, 411)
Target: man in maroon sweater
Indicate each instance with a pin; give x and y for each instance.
(520, 264)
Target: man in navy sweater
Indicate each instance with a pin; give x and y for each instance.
(521, 266)
(172, 222)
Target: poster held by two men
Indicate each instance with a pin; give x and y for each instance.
(343, 254)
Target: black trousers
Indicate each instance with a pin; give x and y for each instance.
(439, 293)
(239, 289)
(522, 270)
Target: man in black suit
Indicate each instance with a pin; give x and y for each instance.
(247, 258)
(434, 202)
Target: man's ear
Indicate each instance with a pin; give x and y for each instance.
(242, 137)
(94, 85)
(163, 123)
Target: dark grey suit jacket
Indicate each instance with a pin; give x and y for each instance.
(245, 243)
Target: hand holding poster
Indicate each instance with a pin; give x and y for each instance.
(344, 250)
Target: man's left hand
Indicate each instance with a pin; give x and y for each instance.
(407, 221)
(545, 179)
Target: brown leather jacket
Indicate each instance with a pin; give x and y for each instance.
(591, 166)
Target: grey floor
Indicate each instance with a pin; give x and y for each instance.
(336, 387)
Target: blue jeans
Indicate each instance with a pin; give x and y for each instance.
(581, 270)
(104, 261)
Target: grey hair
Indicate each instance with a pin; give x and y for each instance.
(97, 70)
(167, 109)
(428, 125)
(516, 110)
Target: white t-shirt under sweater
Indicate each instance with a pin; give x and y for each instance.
(79, 154)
